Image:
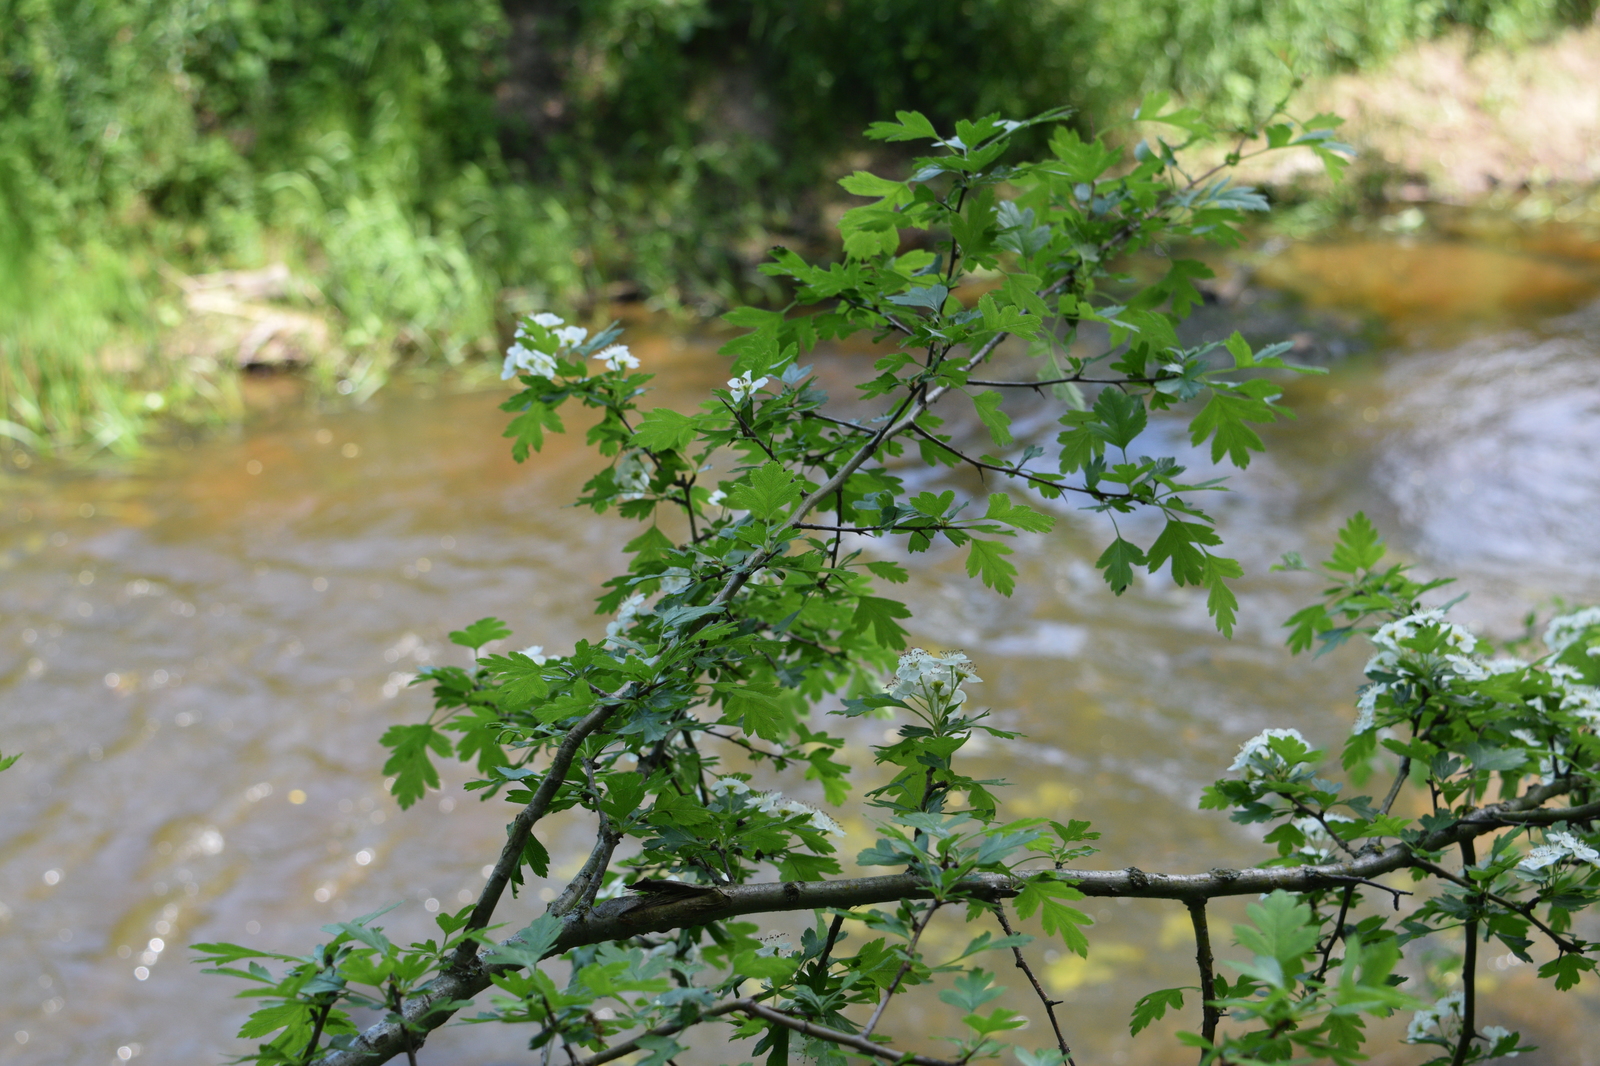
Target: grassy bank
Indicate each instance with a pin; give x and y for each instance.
(186, 187)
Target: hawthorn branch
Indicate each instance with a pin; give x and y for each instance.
(1469, 971)
(905, 968)
(1210, 1015)
(833, 1036)
(628, 1047)
(521, 828)
(1049, 1004)
(622, 919)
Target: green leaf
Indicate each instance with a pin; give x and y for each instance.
(664, 430)
(912, 126)
(8, 761)
(971, 990)
(1154, 1007)
(986, 558)
(522, 679)
(624, 792)
(480, 633)
(1042, 894)
(1223, 420)
(527, 429)
(758, 709)
(1118, 561)
(528, 947)
(1283, 930)
(1222, 604)
(994, 419)
(1017, 515)
(879, 614)
(861, 183)
(1121, 417)
(1359, 547)
(268, 1020)
(1567, 969)
(766, 492)
(413, 770)
(1178, 542)
(889, 571)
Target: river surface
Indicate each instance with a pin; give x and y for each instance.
(199, 651)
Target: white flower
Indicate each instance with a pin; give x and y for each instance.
(722, 786)
(631, 608)
(933, 678)
(617, 357)
(520, 358)
(716, 498)
(632, 477)
(1443, 1019)
(1367, 706)
(1564, 630)
(1256, 758)
(1505, 666)
(674, 580)
(1391, 634)
(1582, 700)
(742, 386)
(547, 320)
(571, 336)
(536, 653)
(1496, 1033)
(1466, 669)
(1559, 847)
(777, 803)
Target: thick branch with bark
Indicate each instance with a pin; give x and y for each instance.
(619, 919)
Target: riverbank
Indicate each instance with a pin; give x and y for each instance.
(1506, 128)
(341, 283)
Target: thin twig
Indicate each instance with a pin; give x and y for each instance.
(521, 828)
(905, 968)
(1469, 971)
(837, 421)
(1394, 789)
(1049, 1004)
(628, 1047)
(316, 1032)
(833, 938)
(1524, 909)
(1336, 933)
(1210, 1013)
(1017, 472)
(833, 1036)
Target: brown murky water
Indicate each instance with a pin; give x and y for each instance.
(198, 654)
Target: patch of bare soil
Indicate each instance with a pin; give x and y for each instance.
(1454, 123)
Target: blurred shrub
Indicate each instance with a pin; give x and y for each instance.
(418, 158)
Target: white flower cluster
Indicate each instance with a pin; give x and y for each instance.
(1564, 630)
(775, 803)
(528, 354)
(1496, 1033)
(742, 386)
(1443, 1019)
(1256, 759)
(1390, 658)
(631, 608)
(934, 679)
(1318, 839)
(1559, 847)
(633, 477)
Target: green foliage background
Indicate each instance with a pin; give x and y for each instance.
(436, 165)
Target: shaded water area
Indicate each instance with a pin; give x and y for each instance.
(197, 654)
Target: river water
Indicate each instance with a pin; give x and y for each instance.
(199, 650)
